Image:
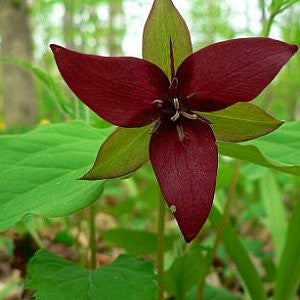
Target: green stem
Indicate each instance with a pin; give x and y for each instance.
(221, 228)
(268, 25)
(160, 245)
(92, 231)
(35, 236)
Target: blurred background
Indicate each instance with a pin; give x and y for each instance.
(32, 93)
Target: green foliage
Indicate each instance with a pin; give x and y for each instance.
(278, 150)
(39, 171)
(276, 214)
(211, 21)
(52, 277)
(241, 122)
(241, 258)
(213, 293)
(184, 273)
(165, 23)
(135, 242)
(288, 272)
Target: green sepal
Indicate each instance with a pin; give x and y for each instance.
(123, 152)
(164, 23)
(241, 122)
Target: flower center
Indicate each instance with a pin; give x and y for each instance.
(174, 109)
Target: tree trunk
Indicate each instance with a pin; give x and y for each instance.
(20, 103)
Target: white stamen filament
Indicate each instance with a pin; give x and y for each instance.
(189, 116)
(176, 116)
(176, 103)
(180, 132)
(191, 96)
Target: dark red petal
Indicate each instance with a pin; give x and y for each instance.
(186, 172)
(119, 89)
(228, 72)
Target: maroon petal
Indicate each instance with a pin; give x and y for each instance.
(186, 172)
(119, 89)
(228, 72)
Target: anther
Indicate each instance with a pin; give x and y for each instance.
(204, 119)
(176, 103)
(189, 116)
(176, 116)
(180, 132)
(155, 127)
(158, 103)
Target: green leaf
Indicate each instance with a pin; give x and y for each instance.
(165, 22)
(279, 150)
(241, 258)
(39, 171)
(125, 150)
(276, 215)
(213, 293)
(288, 272)
(135, 242)
(241, 122)
(54, 278)
(184, 273)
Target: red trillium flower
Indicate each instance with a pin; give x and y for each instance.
(131, 92)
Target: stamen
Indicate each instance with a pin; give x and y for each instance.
(176, 103)
(204, 119)
(176, 116)
(173, 84)
(180, 132)
(193, 95)
(158, 103)
(155, 127)
(189, 116)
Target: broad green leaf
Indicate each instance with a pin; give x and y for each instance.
(54, 278)
(241, 122)
(122, 153)
(241, 258)
(288, 272)
(275, 211)
(135, 242)
(184, 273)
(165, 23)
(39, 171)
(279, 150)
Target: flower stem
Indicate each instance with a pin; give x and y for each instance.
(160, 246)
(92, 231)
(267, 26)
(221, 228)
